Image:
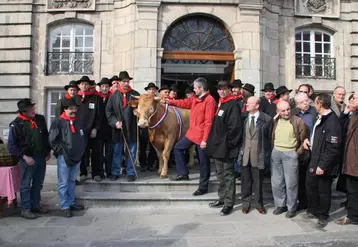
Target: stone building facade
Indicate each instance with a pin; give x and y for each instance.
(47, 43)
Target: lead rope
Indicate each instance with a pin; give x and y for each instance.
(129, 152)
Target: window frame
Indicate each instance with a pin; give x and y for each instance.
(314, 55)
(49, 102)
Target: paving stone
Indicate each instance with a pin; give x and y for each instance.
(45, 234)
(146, 243)
(74, 221)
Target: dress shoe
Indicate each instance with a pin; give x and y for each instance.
(216, 204)
(83, 178)
(245, 210)
(97, 179)
(75, 207)
(290, 215)
(321, 223)
(199, 192)
(308, 216)
(280, 210)
(226, 210)
(346, 221)
(131, 178)
(28, 215)
(180, 178)
(78, 182)
(114, 177)
(344, 204)
(67, 213)
(39, 210)
(261, 210)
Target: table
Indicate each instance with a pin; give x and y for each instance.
(10, 180)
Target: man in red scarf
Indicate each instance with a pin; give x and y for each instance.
(164, 91)
(121, 117)
(223, 146)
(104, 136)
(28, 143)
(268, 105)
(71, 91)
(114, 83)
(68, 142)
(88, 112)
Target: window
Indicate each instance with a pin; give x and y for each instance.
(53, 95)
(314, 57)
(70, 50)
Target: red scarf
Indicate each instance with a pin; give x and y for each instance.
(124, 92)
(238, 96)
(103, 96)
(67, 96)
(270, 99)
(84, 94)
(65, 117)
(276, 101)
(32, 122)
(243, 108)
(224, 100)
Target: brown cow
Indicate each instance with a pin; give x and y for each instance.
(163, 137)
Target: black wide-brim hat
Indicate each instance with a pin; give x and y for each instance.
(86, 79)
(249, 87)
(236, 83)
(114, 78)
(282, 90)
(69, 102)
(71, 84)
(174, 88)
(268, 87)
(189, 90)
(164, 87)
(151, 85)
(124, 75)
(24, 104)
(223, 84)
(103, 81)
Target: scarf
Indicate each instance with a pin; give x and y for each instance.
(124, 92)
(270, 99)
(84, 94)
(276, 101)
(65, 117)
(224, 100)
(103, 96)
(67, 96)
(32, 122)
(238, 96)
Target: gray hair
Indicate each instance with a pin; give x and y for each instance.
(300, 95)
(202, 82)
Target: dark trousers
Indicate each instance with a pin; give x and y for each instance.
(318, 189)
(302, 171)
(179, 151)
(32, 179)
(352, 197)
(90, 152)
(225, 172)
(251, 182)
(103, 155)
(143, 144)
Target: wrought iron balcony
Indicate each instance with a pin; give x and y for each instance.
(315, 67)
(66, 63)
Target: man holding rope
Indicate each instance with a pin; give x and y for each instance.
(123, 121)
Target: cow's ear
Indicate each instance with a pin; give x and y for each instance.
(133, 103)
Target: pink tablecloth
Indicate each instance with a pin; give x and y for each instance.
(10, 178)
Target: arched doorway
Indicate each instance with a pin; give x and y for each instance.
(197, 46)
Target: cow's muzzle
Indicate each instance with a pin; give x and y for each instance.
(143, 123)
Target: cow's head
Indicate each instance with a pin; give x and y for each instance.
(146, 105)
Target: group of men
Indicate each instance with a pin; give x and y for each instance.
(300, 140)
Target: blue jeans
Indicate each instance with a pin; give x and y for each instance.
(66, 182)
(32, 179)
(117, 158)
(237, 166)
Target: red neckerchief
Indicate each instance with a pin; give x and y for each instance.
(67, 118)
(270, 99)
(224, 100)
(67, 96)
(124, 92)
(238, 96)
(84, 94)
(32, 122)
(276, 101)
(103, 96)
(243, 108)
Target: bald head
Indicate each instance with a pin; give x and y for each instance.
(252, 104)
(284, 109)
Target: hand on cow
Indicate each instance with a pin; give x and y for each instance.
(203, 145)
(306, 144)
(319, 171)
(119, 125)
(29, 160)
(135, 112)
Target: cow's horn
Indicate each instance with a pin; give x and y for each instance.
(135, 96)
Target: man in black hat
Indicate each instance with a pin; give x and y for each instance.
(174, 91)
(89, 113)
(68, 141)
(247, 91)
(144, 140)
(121, 117)
(71, 91)
(164, 91)
(114, 83)
(104, 136)
(267, 101)
(189, 92)
(282, 93)
(28, 143)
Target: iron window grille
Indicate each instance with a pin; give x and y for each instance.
(70, 63)
(315, 67)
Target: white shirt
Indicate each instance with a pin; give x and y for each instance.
(316, 124)
(256, 115)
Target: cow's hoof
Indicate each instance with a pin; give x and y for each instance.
(163, 176)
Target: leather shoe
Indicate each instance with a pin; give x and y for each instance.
(245, 210)
(279, 210)
(67, 213)
(261, 210)
(290, 215)
(131, 178)
(216, 204)
(77, 207)
(226, 210)
(39, 210)
(180, 178)
(199, 192)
